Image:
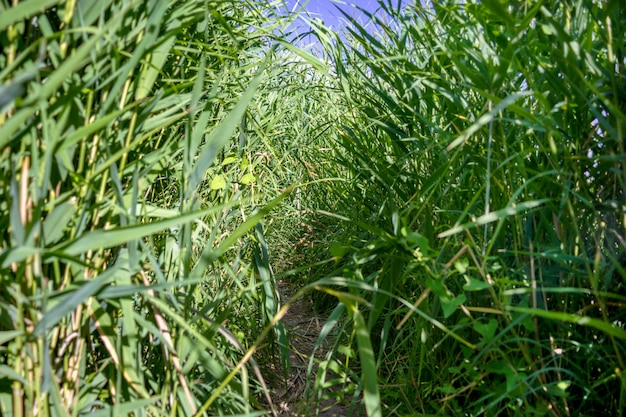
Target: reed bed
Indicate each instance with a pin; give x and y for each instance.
(446, 180)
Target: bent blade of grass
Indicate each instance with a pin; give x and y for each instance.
(486, 119)
(598, 324)
(102, 239)
(493, 216)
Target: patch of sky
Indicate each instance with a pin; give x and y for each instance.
(334, 14)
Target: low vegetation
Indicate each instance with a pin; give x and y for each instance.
(446, 181)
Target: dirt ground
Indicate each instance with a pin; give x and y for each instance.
(303, 326)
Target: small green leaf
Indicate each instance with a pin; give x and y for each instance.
(547, 30)
(447, 389)
(436, 285)
(513, 378)
(218, 182)
(229, 160)
(337, 250)
(449, 306)
(487, 330)
(556, 390)
(563, 385)
(220, 135)
(415, 240)
(461, 265)
(474, 284)
(248, 179)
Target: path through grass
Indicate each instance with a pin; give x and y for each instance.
(446, 182)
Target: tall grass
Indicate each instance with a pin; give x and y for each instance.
(130, 199)
(484, 212)
(448, 178)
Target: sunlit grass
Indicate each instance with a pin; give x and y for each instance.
(129, 208)
(479, 181)
(447, 183)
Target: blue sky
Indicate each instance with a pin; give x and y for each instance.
(327, 11)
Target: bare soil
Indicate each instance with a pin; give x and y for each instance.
(293, 397)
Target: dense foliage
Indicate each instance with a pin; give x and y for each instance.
(123, 238)
(485, 150)
(446, 180)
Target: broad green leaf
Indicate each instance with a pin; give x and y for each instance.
(449, 305)
(513, 378)
(337, 250)
(416, 240)
(229, 160)
(461, 265)
(557, 389)
(438, 287)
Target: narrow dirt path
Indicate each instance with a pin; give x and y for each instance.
(303, 326)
